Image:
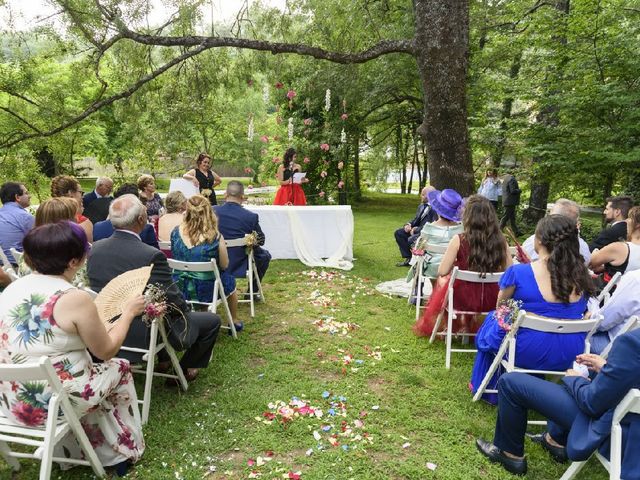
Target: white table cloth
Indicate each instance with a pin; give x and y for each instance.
(309, 233)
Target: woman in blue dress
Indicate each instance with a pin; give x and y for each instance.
(557, 285)
(197, 239)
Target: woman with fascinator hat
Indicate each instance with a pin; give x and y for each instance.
(448, 205)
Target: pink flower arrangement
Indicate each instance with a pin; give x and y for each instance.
(264, 139)
(307, 121)
(306, 160)
(321, 194)
(323, 174)
(279, 85)
(291, 94)
(340, 165)
(340, 184)
(507, 312)
(325, 147)
(344, 116)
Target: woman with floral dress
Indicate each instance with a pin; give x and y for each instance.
(43, 314)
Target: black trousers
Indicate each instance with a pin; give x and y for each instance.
(197, 340)
(510, 216)
(404, 241)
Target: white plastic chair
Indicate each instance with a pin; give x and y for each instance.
(419, 278)
(629, 404)
(149, 357)
(251, 273)
(605, 294)
(631, 324)
(452, 313)
(17, 256)
(211, 266)
(7, 267)
(46, 437)
(164, 245)
(541, 324)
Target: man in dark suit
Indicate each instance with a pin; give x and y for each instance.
(510, 202)
(234, 221)
(615, 213)
(408, 234)
(194, 332)
(104, 229)
(104, 186)
(579, 411)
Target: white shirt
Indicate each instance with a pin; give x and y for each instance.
(624, 303)
(529, 249)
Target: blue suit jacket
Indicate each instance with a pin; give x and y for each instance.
(105, 230)
(598, 399)
(420, 221)
(234, 221)
(88, 198)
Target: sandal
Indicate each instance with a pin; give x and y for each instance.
(239, 327)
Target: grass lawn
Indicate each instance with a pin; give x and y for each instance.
(399, 407)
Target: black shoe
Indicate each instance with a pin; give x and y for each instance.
(404, 263)
(494, 454)
(256, 296)
(559, 454)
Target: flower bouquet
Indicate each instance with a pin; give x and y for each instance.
(507, 312)
(155, 301)
(205, 192)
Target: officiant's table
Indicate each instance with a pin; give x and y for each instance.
(308, 233)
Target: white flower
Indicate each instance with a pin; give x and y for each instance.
(290, 128)
(343, 136)
(250, 129)
(327, 100)
(265, 94)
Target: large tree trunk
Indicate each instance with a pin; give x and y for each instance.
(442, 53)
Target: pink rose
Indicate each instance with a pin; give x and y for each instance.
(264, 139)
(344, 116)
(279, 85)
(307, 121)
(323, 174)
(291, 94)
(325, 147)
(321, 194)
(340, 184)
(340, 165)
(306, 160)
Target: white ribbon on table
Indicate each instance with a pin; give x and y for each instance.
(336, 260)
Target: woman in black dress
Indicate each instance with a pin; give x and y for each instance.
(204, 178)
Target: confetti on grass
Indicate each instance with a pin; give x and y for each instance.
(333, 327)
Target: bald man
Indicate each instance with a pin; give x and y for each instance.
(407, 235)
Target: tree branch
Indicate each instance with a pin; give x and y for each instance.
(95, 106)
(14, 114)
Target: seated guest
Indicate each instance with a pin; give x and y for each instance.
(408, 234)
(558, 285)
(197, 239)
(481, 248)
(104, 186)
(55, 209)
(615, 214)
(105, 229)
(620, 256)
(448, 207)
(98, 210)
(148, 195)
(194, 332)
(176, 204)
(103, 395)
(570, 209)
(624, 303)
(15, 221)
(66, 186)
(579, 411)
(234, 221)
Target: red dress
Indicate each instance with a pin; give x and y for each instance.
(470, 297)
(290, 194)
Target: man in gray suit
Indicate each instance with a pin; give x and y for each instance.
(194, 332)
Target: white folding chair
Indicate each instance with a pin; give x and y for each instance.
(452, 313)
(605, 294)
(629, 404)
(631, 324)
(541, 324)
(17, 256)
(164, 245)
(251, 273)
(7, 267)
(149, 357)
(419, 278)
(46, 437)
(211, 266)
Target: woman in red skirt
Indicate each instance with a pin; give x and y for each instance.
(289, 193)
